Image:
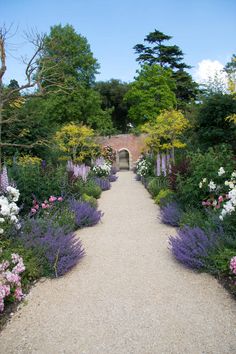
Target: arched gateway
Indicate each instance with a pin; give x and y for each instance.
(128, 148)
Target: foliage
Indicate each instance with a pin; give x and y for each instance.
(58, 251)
(169, 57)
(192, 246)
(164, 196)
(164, 133)
(112, 93)
(212, 127)
(149, 94)
(155, 185)
(218, 261)
(85, 214)
(171, 214)
(76, 142)
(78, 188)
(180, 168)
(109, 154)
(38, 181)
(29, 160)
(230, 69)
(91, 200)
(202, 165)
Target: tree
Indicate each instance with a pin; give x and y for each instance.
(212, 127)
(165, 132)
(112, 93)
(171, 57)
(76, 142)
(230, 69)
(150, 93)
(14, 96)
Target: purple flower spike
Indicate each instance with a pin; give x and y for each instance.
(158, 165)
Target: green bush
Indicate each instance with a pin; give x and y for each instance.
(218, 262)
(164, 196)
(41, 182)
(203, 165)
(33, 265)
(91, 200)
(156, 184)
(79, 187)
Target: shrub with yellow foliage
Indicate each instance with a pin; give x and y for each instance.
(77, 143)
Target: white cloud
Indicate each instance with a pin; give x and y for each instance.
(208, 70)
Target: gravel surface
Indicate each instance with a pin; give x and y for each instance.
(127, 296)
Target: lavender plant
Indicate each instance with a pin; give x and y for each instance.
(112, 178)
(171, 214)
(192, 246)
(85, 214)
(58, 250)
(103, 183)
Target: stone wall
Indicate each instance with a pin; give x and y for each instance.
(131, 143)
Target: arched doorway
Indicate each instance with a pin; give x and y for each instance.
(124, 159)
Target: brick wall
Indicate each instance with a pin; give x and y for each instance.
(132, 143)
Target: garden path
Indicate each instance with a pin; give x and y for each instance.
(127, 296)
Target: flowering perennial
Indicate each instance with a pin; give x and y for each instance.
(222, 196)
(102, 168)
(78, 170)
(233, 265)
(10, 280)
(46, 204)
(142, 167)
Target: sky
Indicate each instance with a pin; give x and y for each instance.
(203, 29)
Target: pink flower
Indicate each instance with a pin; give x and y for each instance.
(220, 199)
(44, 206)
(217, 206)
(4, 265)
(233, 265)
(4, 291)
(1, 305)
(36, 206)
(33, 210)
(52, 199)
(12, 278)
(60, 199)
(18, 294)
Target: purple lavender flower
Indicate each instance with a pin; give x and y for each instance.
(192, 246)
(112, 178)
(85, 214)
(113, 170)
(171, 213)
(158, 164)
(103, 183)
(59, 249)
(78, 170)
(168, 162)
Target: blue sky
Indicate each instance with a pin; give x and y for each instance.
(203, 29)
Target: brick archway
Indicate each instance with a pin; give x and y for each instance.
(134, 144)
(120, 164)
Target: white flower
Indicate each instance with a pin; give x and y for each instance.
(212, 186)
(1, 231)
(14, 219)
(204, 180)
(221, 171)
(200, 185)
(1, 220)
(231, 185)
(233, 174)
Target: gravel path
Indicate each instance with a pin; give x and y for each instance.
(127, 296)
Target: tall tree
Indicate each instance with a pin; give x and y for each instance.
(230, 69)
(171, 57)
(150, 93)
(112, 93)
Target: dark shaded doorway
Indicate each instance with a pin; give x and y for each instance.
(123, 160)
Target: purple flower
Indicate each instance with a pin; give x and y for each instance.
(158, 164)
(103, 183)
(85, 214)
(112, 178)
(171, 213)
(192, 245)
(78, 170)
(61, 250)
(113, 170)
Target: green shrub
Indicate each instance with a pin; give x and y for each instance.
(79, 187)
(164, 196)
(203, 165)
(32, 180)
(156, 184)
(91, 200)
(218, 262)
